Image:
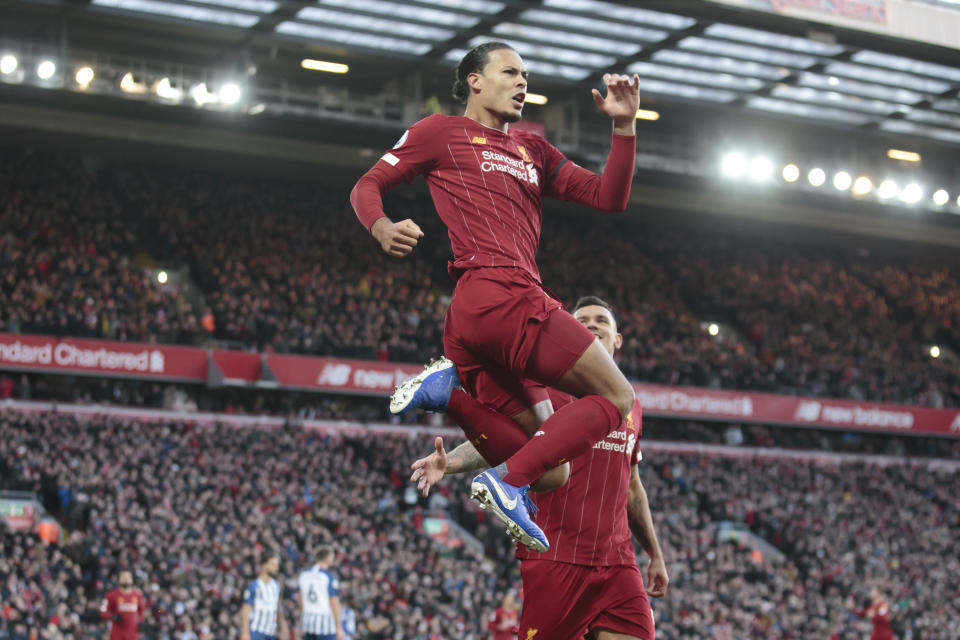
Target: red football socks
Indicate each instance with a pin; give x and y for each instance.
(495, 436)
(565, 435)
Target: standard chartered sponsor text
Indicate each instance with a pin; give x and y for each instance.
(65, 354)
(681, 401)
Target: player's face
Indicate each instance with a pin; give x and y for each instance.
(272, 567)
(125, 580)
(503, 85)
(599, 321)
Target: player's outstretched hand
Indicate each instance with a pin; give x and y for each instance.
(657, 578)
(428, 471)
(622, 99)
(396, 238)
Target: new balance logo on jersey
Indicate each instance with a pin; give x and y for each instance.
(478, 140)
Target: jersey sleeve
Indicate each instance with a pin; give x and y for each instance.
(250, 593)
(334, 586)
(416, 150)
(107, 607)
(552, 160)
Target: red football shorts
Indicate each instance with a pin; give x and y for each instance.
(509, 338)
(563, 601)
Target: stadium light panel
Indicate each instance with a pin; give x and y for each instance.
(865, 89)
(409, 12)
(906, 156)
(482, 6)
(568, 39)
(692, 76)
(320, 33)
(536, 98)
(172, 9)
(934, 351)
(323, 65)
(749, 52)
(914, 129)
(733, 165)
(817, 176)
(166, 91)
(84, 77)
(230, 94)
(802, 110)
(862, 186)
(129, 85)
(8, 64)
(833, 98)
(908, 65)
(46, 69)
(201, 95)
(624, 14)
(761, 169)
(647, 114)
(791, 173)
(888, 189)
(912, 193)
(389, 25)
(770, 39)
(604, 27)
(941, 197)
(842, 181)
(553, 54)
(866, 73)
(690, 92)
(721, 64)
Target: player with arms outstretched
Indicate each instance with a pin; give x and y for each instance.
(588, 582)
(507, 336)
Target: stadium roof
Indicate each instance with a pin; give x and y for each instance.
(692, 51)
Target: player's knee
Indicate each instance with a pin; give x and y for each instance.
(552, 479)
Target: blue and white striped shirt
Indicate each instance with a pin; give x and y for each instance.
(264, 597)
(317, 587)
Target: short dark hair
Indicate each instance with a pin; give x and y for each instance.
(267, 556)
(590, 301)
(323, 553)
(473, 62)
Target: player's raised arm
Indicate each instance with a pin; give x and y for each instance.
(610, 190)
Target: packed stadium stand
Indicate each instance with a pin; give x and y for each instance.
(190, 507)
(280, 267)
(786, 278)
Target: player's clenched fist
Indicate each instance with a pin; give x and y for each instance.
(396, 238)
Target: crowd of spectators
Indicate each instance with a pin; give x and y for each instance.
(189, 508)
(285, 266)
(68, 258)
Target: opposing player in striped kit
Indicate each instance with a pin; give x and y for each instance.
(319, 599)
(261, 616)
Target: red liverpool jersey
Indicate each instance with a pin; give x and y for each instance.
(879, 614)
(487, 186)
(129, 606)
(585, 520)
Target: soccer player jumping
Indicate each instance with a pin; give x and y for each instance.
(507, 336)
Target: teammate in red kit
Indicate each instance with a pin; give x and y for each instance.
(503, 621)
(125, 607)
(588, 582)
(506, 335)
(879, 613)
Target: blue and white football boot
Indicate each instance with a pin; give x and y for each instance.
(429, 390)
(512, 505)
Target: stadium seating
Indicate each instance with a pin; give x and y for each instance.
(189, 507)
(285, 267)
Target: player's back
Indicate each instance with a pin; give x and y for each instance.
(317, 587)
